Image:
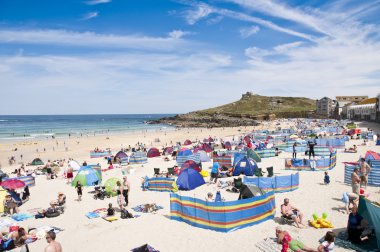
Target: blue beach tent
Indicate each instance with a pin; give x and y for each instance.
(246, 166)
(189, 179)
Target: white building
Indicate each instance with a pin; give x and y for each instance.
(364, 110)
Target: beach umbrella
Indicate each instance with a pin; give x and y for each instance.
(87, 177)
(13, 184)
(110, 186)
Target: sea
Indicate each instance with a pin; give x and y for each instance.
(28, 127)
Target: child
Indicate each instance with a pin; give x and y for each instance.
(110, 210)
(328, 245)
(327, 178)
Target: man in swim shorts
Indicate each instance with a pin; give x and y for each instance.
(291, 212)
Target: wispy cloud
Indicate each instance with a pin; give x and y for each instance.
(92, 39)
(249, 31)
(202, 10)
(95, 2)
(177, 34)
(90, 15)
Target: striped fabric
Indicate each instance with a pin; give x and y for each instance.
(373, 176)
(182, 159)
(94, 154)
(222, 216)
(278, 184)
(28, 180)
(138, 157)
(322, 164)
(225, 161)
(266, 153)
(160, 184)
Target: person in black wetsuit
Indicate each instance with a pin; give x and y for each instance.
(311, 149)
(79, 190)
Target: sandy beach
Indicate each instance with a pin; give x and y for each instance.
(83, 234)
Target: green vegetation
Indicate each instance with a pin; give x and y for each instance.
(258, 105)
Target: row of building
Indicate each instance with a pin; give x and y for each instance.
(350, 107)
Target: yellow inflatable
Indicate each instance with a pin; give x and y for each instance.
(320, 222)
(204, 173)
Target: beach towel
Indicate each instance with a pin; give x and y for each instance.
(147, 208)
(6, 223)
(341, 241)
(110, 218)
(268, 245)
(21, 216)
(92, 215)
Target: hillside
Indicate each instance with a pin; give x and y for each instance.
(245, 112)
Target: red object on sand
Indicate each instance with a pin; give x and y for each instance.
(13, 184)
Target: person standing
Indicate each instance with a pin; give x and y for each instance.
(53, 246)
(79, 190)
(294, 150)
(126, 189)
(355, 181)
(69, 175)
(365, 169)
(311, 149)
(120, 197)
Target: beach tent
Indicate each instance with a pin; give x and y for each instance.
(168, 150)
(87, 177)
(74, 165)
(184, 152)
(153, 152)
(145, 248)
(203, 156)
(189, 179)
(246, 166)
(227, 145)
(371, 155)
(121, 155)
(371, 213)
(3, 193)
(187, 142)
(190, 164)
(110, 186)
(252, 154)
(37, 161)
(138, 157)
(207, 148)
(249, 191)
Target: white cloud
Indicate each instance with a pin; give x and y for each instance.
(90, 15)
(177, 34)
(90, 39)
(249, 31)
(199, 12)
(95, 2)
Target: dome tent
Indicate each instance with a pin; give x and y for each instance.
(246, 166)
(121, 155)
(37, 161)
(153, 152)
(189, 179)
(87, 177)
(110, 186)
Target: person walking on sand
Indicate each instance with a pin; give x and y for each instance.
(53, 245)
(79, 190)
(355, 181)
(126, 189)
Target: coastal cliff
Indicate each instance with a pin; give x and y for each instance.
(244, 112)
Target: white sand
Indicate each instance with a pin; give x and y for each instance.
(82, 234)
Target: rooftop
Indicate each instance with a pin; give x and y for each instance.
(368, 101)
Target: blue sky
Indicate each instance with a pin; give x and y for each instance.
(159, 56)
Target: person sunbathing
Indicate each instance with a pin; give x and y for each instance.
(352, 149)
(10, 205)
(290, 212)
(287, 242)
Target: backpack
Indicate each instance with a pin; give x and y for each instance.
(125, 214)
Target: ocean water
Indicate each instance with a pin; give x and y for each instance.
(26, 127)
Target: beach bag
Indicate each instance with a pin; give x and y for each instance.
(125, 214)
